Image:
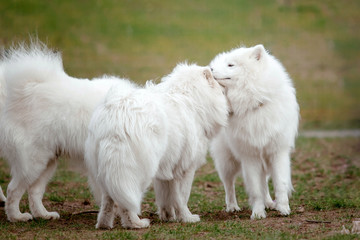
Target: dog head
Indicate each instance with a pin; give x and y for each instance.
(239, 66)
(203, 93)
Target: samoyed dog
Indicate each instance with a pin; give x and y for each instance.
(46, 113)
(158, 133)
(261, 131)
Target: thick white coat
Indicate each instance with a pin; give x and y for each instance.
(261, 131)
(46, 113)
(157, 133)
(2, 102)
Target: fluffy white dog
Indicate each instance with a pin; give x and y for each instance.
(262, 128)
(46, 113)
(158, 133)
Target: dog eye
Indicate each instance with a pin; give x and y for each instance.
(230, 65)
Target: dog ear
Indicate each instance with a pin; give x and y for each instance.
(208, 75)
(258, 52)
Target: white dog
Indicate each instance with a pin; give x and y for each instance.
(46, 113)
(161, 133)
(261, 131)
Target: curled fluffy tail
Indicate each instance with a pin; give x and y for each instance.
(27, 63)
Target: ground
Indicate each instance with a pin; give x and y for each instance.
(327, 197)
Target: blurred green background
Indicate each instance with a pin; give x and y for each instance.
(317, 41)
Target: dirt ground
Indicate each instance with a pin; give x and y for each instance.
(77, 217)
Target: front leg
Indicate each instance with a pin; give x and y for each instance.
(269, 203)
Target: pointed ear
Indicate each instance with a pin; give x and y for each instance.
(258, 52)
(208, 75)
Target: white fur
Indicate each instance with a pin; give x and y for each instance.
(158, 133)
(261, 130)
(2, 102)
(46, 113)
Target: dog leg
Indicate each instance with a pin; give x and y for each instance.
(106, 214)
(36, 193)
(130, 219)
(126, 190)
(255, 184)
(269, 203)
(95, 189)
(281, 175)
(228, 169)
(164, 198)
(182, 192)
(2, 196)
(15, 191)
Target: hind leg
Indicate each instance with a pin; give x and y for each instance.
(15, 191)
(172, 198)
(95, 189)
(125, 188)
(107, 213)
(2, 196)
(36, 193)
(164, 199)
(130, 219)
(228, 169)
(281, 175)
(269, 203)
(129, 205)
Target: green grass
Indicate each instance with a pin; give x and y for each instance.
(317, 41)
(325, 175)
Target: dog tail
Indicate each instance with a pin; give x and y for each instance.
(24, 64)
(129, 132)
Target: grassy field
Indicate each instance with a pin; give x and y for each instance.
(317, 41)
(326, 175)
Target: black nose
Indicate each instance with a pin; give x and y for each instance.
(212, 69)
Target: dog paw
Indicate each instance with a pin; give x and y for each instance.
(284, 209)
(142, 223)
(48, 215)
(55, 215)
(23, 217)
(258, 215)
(165, 215)
(270, 205)
(233, 208)
(102, 225)
(191, 218)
